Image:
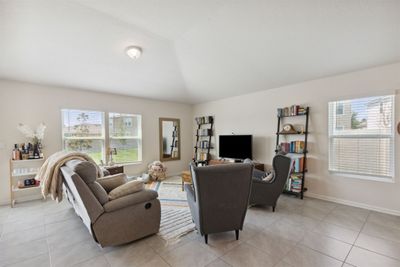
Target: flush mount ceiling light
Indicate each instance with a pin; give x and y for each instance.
(133, 52)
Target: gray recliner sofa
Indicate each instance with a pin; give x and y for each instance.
(110, 222)
(219, 197)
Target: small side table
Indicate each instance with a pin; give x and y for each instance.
(115, 169)
(186, 177)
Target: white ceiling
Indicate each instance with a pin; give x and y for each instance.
(193, 50)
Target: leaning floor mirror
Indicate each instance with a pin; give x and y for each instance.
(170, 143)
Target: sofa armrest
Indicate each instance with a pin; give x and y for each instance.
(112, 181)
(129, 200)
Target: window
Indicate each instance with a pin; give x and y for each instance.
(126, 136)
(361, 137)
(85, 131)
(339, 108)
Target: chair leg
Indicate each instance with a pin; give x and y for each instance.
(206, 238)
(273, 208)
(237, 234)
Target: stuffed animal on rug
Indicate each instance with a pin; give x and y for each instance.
(157, 170)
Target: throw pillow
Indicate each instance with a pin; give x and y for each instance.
(112, 181)
(126, 189)
(270, 177)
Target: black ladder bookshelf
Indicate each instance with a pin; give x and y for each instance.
(174, 139)
(282, 116)
(203, 146)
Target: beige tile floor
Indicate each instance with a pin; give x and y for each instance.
(305, 232)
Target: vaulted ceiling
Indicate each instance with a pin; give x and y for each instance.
(193, 50)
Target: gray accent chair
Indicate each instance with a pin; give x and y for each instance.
(219, 197)
(110, 222)
(267, 193)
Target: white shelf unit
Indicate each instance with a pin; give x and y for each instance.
(19, 171)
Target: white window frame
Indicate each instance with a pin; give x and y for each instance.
(106, 135)
(391, 135)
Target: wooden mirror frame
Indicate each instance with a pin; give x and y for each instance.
(160, 122)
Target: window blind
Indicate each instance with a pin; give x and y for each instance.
(361, 137)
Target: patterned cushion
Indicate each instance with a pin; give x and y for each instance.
(126, 189)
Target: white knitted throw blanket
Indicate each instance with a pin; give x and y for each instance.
(50, 175)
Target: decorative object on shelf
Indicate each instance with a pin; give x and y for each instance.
(33, 149)
(295, 149)
(157, 170)
(288, 129)
(203, 145)
(23, 186)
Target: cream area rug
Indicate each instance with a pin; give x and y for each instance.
(175, 223)
(170, 192)
(176, 220)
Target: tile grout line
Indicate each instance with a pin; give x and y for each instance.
(352, 246)
(299, 242)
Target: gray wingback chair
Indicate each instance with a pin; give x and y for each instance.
(267, 193)
(219, 197)
(110, 222)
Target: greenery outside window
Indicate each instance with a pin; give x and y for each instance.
(125, 135)
(84, 131)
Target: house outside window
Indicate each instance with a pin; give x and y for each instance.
(86, 131)
(361, 137)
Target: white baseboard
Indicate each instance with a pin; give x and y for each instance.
(353, 203)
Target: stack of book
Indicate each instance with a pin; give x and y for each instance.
(293, 147)
(204, 120)
(291, 111)
(296, 182)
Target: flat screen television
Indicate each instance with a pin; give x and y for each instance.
(235, 146)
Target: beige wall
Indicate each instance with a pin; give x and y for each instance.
(32, 104)
(247, 114)
(256, 114)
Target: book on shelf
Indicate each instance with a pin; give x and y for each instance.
(204, 132)
(291, 111)
(204, 120)
(293, 147)
(297, 162)
(203, 144)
